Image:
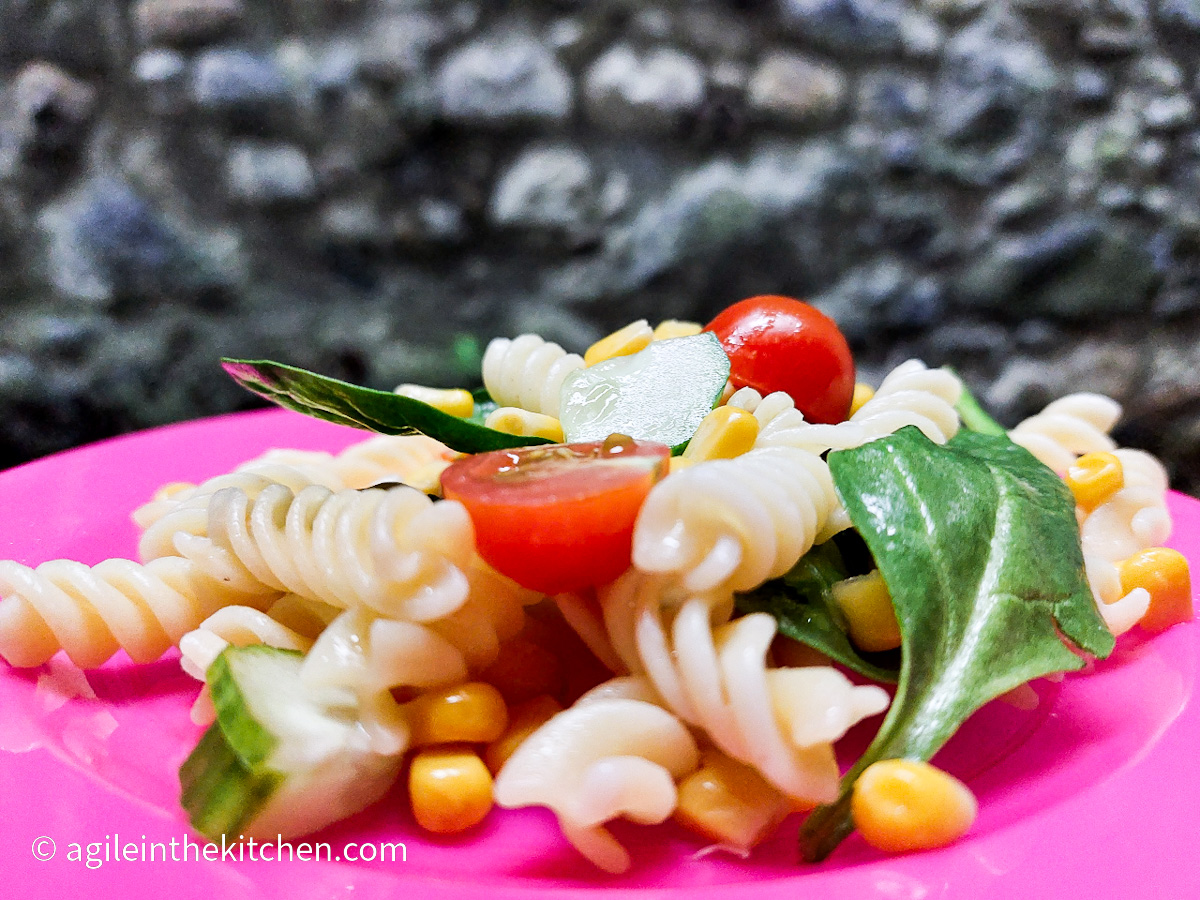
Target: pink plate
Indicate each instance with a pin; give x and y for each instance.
(1095, 791)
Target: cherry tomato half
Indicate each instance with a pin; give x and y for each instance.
(781, 344)
(557, 518)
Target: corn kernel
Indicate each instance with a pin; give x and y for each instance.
(862, 394)
(1094, 478)
(450, 789)
(471, 713)
(623, 342)
(452, 401)
(870, 616)
(1165, 576)
(514, 420)
(679, 463)
(524, 719)
(167, 491)
(729, 803)
(726, 432)
(673, 328)
(524, 669)
(906, 804)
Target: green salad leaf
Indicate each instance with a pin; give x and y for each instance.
(359, 407)
(979, 547)
(973, 415)
(803, 606)
(484, 406)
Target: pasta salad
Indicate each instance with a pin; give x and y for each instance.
(661, 580)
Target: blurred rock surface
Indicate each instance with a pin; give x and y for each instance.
(375, 188)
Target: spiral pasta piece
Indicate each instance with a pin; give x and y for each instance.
(368, 656)
(1132, 519)
(713, 674)
(911, 394)
(527, 372)
(735, 522)
(1069, 427)
(290, 623)
(394, 551)
(93, 611)
(413, 459)
(608, 758)
(190, 514)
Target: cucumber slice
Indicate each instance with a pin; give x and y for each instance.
(282, 758)
(659, 394)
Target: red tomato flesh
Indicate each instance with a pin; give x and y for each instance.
(557, 518)
(781, 344)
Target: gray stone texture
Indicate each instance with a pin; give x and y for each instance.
(374, 188)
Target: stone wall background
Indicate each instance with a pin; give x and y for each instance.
(372, 188)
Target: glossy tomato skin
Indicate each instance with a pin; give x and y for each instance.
(557, 518)
(782, 344)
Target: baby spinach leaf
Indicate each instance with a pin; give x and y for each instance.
(979, 547)
(484, 406)
(803, 605)
(973, 415)
(359, 407)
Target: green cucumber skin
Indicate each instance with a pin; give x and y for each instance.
(220, 794)
(253, 743)
(244, 778)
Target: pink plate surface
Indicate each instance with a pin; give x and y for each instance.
(1095, 791)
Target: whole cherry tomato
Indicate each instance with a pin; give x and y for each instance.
(557, 518)
(781, 344)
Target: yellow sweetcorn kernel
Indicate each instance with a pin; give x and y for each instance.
(678, 463)
(524, 719)
(452, 401)
(450, 789)
(870, 616)
(1164, 574)
(468, 713)
(167, 491)
(905, 804)
(729, 803)
(673, 328)
(514, 420)
(524, 669)
(1094, 478)
(862, 394)
(623, 342)
(726, 432)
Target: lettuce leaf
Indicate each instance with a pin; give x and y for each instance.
(803, 606)
(359, 407)
(979, 547)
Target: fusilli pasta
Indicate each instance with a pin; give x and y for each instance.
(413, 459)
(527, 372)
(92, 611)
(735, 522)
(600, 760)
(1067, 428)
(394, 551)
(1134, 518)
(910, 394)
(713, 674)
